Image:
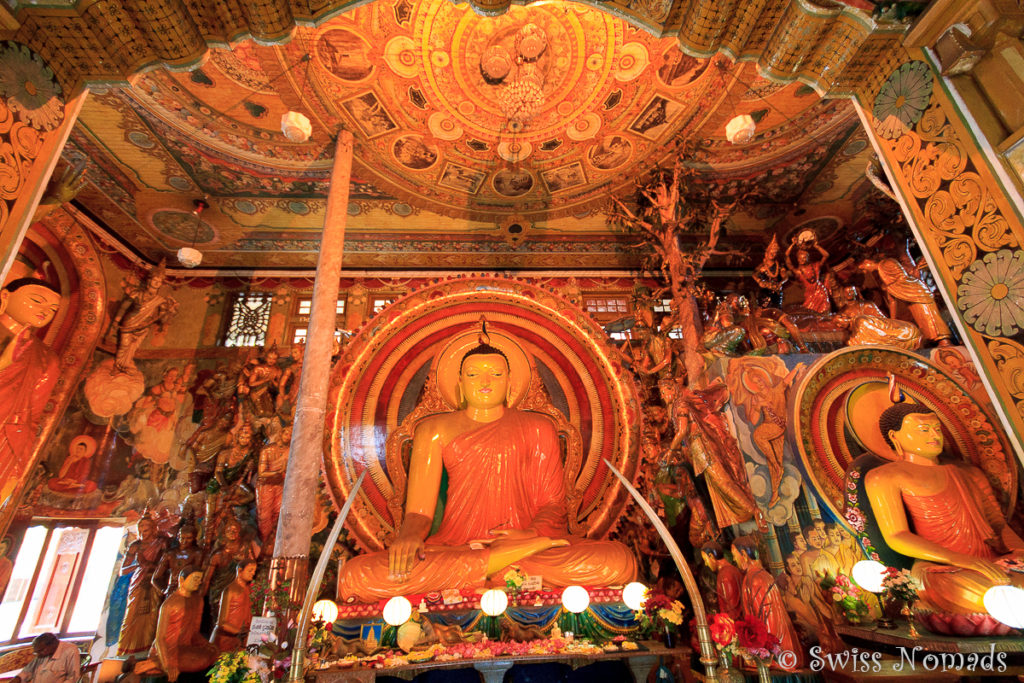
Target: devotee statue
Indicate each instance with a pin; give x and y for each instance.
(140, 560)
(270, 485)
(763, 599)
(728, 579)
(945, 516)
(28, 374)
(187, 554)
(229, 553)
(900, 285)
(506, 496)
(235, 611)
(179, 647)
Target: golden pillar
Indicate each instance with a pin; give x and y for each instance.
(962, 210)
(35, 120)
(294, 527)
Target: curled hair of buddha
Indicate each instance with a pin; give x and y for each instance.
(892, 418)
(713, 550)
(15, 285)
(483, 350)
(746, 545)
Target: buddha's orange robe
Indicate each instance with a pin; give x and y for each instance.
(963, 519)
(505, 474)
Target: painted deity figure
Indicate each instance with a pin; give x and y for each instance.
(28, 374)
(235, 611)
(143, 309)
(506, 492)
(901, 286)
(762, 598)
(179, 647)
(945, 516)
(728, 580)
(187, 554)
(808, 274)
(73, 476)
(140, 617)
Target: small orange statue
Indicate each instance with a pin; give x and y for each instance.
(235, 609)
(728, 580)
(179, 647)
(506, 492)
(902, 286)
(140, 560)
(28, 374)
(763, 599)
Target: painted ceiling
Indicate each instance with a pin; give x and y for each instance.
(464, 126)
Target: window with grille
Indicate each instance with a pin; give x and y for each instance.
(380, 303)
(663, 306)
(607, 305)
(305, 306)
(250, 315)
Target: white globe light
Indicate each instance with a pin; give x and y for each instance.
(296, 127)
(868, 574)
(1006, 604)
(325, 610)
(190, 257)
(493, 602)
(740, 129)
(397, 611)
(634, 595)
(575, 599)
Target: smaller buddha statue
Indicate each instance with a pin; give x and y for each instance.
(943, 515)
(179, 647)
(235, 611)
(818, 562)
(762, 598)
(187, 554)
(728, 579)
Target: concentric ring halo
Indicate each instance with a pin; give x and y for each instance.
(448, 362)
(864, 406)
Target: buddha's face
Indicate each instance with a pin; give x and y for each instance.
(920, 434)
(484, 380)
(31, 305)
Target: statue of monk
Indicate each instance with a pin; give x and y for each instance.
(179, 647)
(943, 515)
(728, 579)
(187, 554)
(506, 496)
(229, 553)
(900, 285)
(235, 610)
(763, 599)
(140, 617)
(28, 374)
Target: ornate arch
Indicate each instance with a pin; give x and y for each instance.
(383, 376)
(62, 240)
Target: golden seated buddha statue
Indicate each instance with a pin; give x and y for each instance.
(505, 504)
(945, 516)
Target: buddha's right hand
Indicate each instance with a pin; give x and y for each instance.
(408, 546)
(990, 570)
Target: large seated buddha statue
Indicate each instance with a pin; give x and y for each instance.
(943, 516)
(505, 501)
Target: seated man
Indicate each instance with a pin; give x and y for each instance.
(506, 496)
(56, 661)
(944, 515)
